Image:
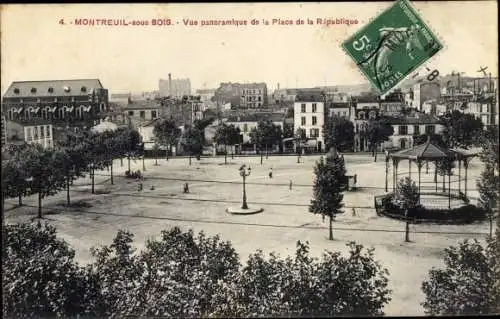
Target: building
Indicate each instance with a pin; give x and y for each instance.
(247, 95)
(32, 131)
(407, 127)
(79, 104)
(4, 131)
(424, 91)
(484, 108)
(340, 109)
(366, 107)
(138, 112)
(206, 95)
(254, 95)
(175, 88)
(309, 114)
(392, 104)
(432, 107)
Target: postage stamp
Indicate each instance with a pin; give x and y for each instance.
(392, 46)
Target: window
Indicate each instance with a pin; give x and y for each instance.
(416, 129)
(131, 113)
(245, 127)
(361, 115)
(142, 114)
(303, 120)
(33, 90)
(403, 130)
(83, 89)
(28, 134)
(314, 107)
(47, 130)
(345, 113)
(303, 108)
(373, 114)
(16, 91)
(430, 129)
(314, 120)
(314, 132)
(35, 133)
(42, 132)
(260, 98)
(50, 90)
(153, 114)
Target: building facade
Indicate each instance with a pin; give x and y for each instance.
(422, 92)
(309, 114)
(175, 88)
(77, 104)
(254, 95)
(138, 112)
(340, 109)
(33, 132)
(407, 127)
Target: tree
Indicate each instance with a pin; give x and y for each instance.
(192, 142)
(300, 137)
(167, 133)
(266, 134)
(378, 131)
(156, 150)
(339, 133)
(14, 178)
(327, 188)
(40, 277)
(460, 129)
(46, 168)
(489, 183)
(407, 198)
(466, 284)
(288, 130)
(227, 135)
(445, 168)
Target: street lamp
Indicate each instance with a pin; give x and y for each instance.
(244, 173)
(386, 168)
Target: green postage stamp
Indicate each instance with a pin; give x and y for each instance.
(392, 46)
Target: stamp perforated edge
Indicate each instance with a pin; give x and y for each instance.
(422, 65)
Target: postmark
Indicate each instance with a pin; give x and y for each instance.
(392, 46)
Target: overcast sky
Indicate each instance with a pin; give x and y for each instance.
(126, 58)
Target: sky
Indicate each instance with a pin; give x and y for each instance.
(35, 46)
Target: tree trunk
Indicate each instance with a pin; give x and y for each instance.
(128, 158)
(225, 154)
(39, 205)
(20, 200)
(261, 157)
(375, 152)
(93, 180)
(407, 228)
(189, 158)
(112, 181)
(121, 161)
(68, 200)
(331, 228)
(267, 152)
(232, 152)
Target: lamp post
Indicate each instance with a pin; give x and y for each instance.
(244, 173)
(92, 175)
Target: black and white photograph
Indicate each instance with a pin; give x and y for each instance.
(239, 160)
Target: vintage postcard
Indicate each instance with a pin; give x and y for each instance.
(250, 159)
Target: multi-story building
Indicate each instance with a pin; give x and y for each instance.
(392, 104)
(138, 112)
(175, 88)
(78, 104)
(341, 109)
(4, 131)
(254, 95)
(309, 114)
(407, 127)
(242, 95)
(247, 122)
(34, 131)
(424, 91)
(366, 107)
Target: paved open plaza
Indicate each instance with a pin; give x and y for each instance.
(213, 187)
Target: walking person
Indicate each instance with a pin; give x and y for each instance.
(271, 173)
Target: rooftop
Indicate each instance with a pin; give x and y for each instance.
(144, 104)
(417, 118)
(52, 88)
(426, 151)
(255, 117)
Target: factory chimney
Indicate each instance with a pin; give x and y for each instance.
(170, 84)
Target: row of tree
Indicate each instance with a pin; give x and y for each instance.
(182, 274)
(30, 169)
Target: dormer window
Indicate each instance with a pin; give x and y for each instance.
(67, 89)
(16, 90)
(55, 100)
(51, 90)
(83, 89)
(33, 90)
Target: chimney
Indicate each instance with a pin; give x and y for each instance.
(170, 84)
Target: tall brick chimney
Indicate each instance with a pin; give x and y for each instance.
(170, 85)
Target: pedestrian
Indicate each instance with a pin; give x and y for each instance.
(353, 212)
(290, 184)
(186, 188)
(271, 173)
